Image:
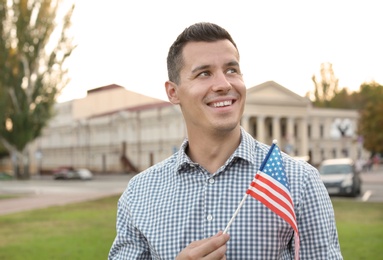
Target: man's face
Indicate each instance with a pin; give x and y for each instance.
(211, 92)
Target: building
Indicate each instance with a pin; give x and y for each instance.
(116, 130)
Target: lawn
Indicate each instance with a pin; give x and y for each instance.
(360, 229)
(86, 231)
(77, 231)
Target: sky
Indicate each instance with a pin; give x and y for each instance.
(126, 42)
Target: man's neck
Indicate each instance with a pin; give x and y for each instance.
(210, 150)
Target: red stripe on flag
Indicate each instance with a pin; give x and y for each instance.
(275, 210)
(269, 200)
(276, 188)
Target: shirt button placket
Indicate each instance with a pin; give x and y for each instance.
(209, 204)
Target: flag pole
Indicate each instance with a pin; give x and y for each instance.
(235, 213)
(245, 197)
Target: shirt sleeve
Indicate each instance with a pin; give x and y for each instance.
(129, 243)
(316, 221)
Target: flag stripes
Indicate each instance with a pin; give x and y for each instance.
(274, 196)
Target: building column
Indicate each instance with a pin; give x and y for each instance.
(260, 128)
(315, 127)
(327, 128)
(303, 137)
(277, 128)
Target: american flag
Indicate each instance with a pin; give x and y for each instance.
(271, 187)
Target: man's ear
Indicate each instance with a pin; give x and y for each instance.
(171, 91)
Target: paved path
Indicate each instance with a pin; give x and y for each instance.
(44, 192)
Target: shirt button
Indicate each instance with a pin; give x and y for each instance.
(209, 217)
(211, 180)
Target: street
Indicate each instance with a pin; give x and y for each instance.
(372, 186)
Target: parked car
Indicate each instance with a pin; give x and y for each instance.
(340, 177)
(84, 174)
(68, 172)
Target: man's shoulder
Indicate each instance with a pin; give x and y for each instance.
(150, 183)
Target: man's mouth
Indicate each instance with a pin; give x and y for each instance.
(222, 103)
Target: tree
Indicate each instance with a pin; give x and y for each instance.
(326, 86)
(33, 50)
(371, 117)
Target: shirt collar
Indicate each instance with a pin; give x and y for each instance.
(245, 151)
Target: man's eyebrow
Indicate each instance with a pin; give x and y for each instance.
(203, 67)
(232, 63)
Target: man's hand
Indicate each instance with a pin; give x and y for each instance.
(209, 248)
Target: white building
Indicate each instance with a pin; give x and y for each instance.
(115, 130)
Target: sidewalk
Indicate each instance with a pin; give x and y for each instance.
(373, 176)
(37, 194)
(38, 201)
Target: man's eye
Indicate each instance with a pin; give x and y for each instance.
(231, 71)
(204, 74)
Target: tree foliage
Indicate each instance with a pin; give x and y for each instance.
(33, 48)
(368, 101)
(371, 116)
(326, 86)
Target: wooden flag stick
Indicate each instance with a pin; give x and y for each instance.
(245, 197)
(235, 213)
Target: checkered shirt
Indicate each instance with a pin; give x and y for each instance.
(177, 201)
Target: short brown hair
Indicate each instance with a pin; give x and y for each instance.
(199, 32)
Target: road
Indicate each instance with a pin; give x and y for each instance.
(42, 192)
(372, 186)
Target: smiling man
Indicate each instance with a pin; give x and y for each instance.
(177, 208)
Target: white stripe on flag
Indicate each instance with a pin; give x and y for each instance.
(273, 191)
(275, 204)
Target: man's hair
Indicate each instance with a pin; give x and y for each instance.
(199, 32)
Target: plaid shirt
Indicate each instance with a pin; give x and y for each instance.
(177, 201)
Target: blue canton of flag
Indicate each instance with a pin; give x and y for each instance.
(274, 168)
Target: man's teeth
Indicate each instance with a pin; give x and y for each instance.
(222, 104)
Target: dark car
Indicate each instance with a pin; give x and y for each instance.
(68, 172)
(340, 177)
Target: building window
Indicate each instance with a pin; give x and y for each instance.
(284, 127)
(321, 131)
(309, 130)
(269, 126)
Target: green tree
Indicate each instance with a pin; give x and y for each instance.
(371, 116)
(34, 45)
(341, 99)
(326, 86)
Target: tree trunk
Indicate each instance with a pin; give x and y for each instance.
(20, 163)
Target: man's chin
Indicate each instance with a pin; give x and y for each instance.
(227, 127)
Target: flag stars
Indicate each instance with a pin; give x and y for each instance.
(274, 168)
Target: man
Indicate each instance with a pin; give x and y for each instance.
(176, 209)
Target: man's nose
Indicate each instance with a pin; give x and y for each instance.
(221, 83)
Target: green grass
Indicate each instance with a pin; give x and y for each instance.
(6, 196)
(76, 231)
(86, 231)
(360, 229)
